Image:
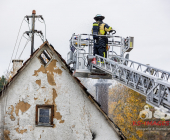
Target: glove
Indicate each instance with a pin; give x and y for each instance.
(107, 47)
(111, 31)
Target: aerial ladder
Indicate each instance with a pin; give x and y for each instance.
(149, 81)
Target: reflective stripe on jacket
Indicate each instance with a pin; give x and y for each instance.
(104, 28)
(95, 29)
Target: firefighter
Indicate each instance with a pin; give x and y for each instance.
(100, 42)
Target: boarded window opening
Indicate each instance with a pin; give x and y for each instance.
(44, 115)
(45, 57)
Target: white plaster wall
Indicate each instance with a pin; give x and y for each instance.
(16, 66)
(81, 117)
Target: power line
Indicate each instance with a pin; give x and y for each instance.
(30, 38)
(41, 36)
(15, 44)
(4, 87)
(45, 29)
(18, 46)
(28, 25)
(23, 48)
(45, 26)
(24, 37)
(25, 45)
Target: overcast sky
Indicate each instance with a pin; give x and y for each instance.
(148, 21)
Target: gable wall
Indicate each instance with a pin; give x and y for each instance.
(75, 115)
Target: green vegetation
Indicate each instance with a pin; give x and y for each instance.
(2, 82)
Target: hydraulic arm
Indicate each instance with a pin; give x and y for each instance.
(149, 81)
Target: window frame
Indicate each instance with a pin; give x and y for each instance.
(47, 55)
(37, 115)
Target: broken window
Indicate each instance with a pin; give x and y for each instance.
(44, 115)
(45, 57)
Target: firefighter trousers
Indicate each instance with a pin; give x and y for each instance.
(100, 47)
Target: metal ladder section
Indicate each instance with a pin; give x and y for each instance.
(151, 82)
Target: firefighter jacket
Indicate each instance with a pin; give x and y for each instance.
(103, 27)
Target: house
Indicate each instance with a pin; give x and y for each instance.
(44, 101)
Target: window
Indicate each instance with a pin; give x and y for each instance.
(45, 57)
(44, 115)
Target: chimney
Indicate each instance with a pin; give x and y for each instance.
(17, 64)
(102, 94)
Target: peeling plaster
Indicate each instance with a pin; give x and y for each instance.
(62, 121)
(47, 102)
(74, 114)
(57, 115)
(49, 70)
(31, 128)
(54, 95)
(21, 106)
(11, 113)
(6, 134)
(21, 131)
(38, 82)
(41, 69)
(51, 80)
(18, 122)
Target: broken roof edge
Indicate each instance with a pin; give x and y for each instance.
(115, 127)
(23, 66)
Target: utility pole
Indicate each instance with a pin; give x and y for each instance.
(33, 27)
(33, 16)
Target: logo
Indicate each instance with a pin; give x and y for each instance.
(147, 114)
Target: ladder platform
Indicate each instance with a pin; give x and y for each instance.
(153, 83)
(94, 74)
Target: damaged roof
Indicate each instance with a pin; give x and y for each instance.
(91, 98)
